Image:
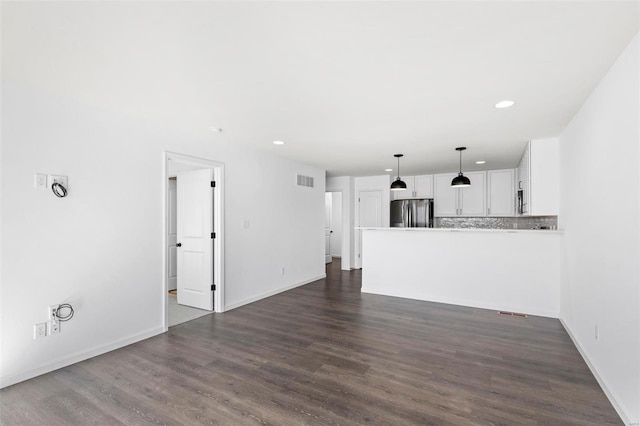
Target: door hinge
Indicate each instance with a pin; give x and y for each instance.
(213, 287)
(358, 199)
(213, 183)
(213, 235)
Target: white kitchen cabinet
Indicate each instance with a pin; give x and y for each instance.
(473, 199)
(445, 196)
(538, 175)
(423, 186)
(417, 187)
(501, 194)
(468, 201)
(544, 177)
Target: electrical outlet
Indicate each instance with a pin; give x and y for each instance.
(282, 271)
(54, 327)
(40, 330)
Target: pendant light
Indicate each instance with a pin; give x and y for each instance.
(461, 180)
(398, 184)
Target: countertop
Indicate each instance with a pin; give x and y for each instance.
(469, 230)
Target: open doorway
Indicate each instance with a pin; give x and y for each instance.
(193, 272)
(334, 238)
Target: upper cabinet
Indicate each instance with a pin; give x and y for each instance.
(417, 187)
(423, 186)
(469, 201)
(446, 198)
(538, 175)
(473, 199)
(500, 193)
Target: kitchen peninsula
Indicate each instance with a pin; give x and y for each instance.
(506, 270)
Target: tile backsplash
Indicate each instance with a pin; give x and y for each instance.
(520, 222)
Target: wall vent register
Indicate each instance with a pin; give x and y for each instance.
(305, 181)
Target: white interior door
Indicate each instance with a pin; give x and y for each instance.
(369, 215)
(327, 227)
(172, 237)
(327, 246)
(336, 224)
(195, 242)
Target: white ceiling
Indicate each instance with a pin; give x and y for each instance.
(346, 85)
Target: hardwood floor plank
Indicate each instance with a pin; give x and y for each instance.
(326, 354)
(72, 408)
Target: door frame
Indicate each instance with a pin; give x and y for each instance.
(358, 233)
(218, 227)
(327, 229)
(171, 182)
(344, 243)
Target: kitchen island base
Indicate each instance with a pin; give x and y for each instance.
(516, 271)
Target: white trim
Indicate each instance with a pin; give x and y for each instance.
(272, 292)
(603, 384)
(344, 244)
(358, 229)
(77, 357)
(218, 227)
(473, 304)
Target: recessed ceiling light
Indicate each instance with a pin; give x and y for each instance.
(215, 129)
(505, 104)
(278, 142)
(388, 170)
(480, 162)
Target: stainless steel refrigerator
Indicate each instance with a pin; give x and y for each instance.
(412, 213)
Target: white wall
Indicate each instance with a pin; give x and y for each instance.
(336, 224)
(345, 185)
(517, 271)
(380, 183)
(599, 211)
(101, 247)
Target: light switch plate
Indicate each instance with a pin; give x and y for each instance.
(40, 181)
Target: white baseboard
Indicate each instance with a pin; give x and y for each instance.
(537, 311)
(603, 384)
(77, 357)
(270, 293)
(99, 350)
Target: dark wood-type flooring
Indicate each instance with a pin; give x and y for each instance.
(324, 353)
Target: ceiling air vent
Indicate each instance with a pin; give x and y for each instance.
(305, 181)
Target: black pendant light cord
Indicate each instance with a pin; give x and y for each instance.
(398, 184)
(460, 180)
(66, 316)
(59, 190)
